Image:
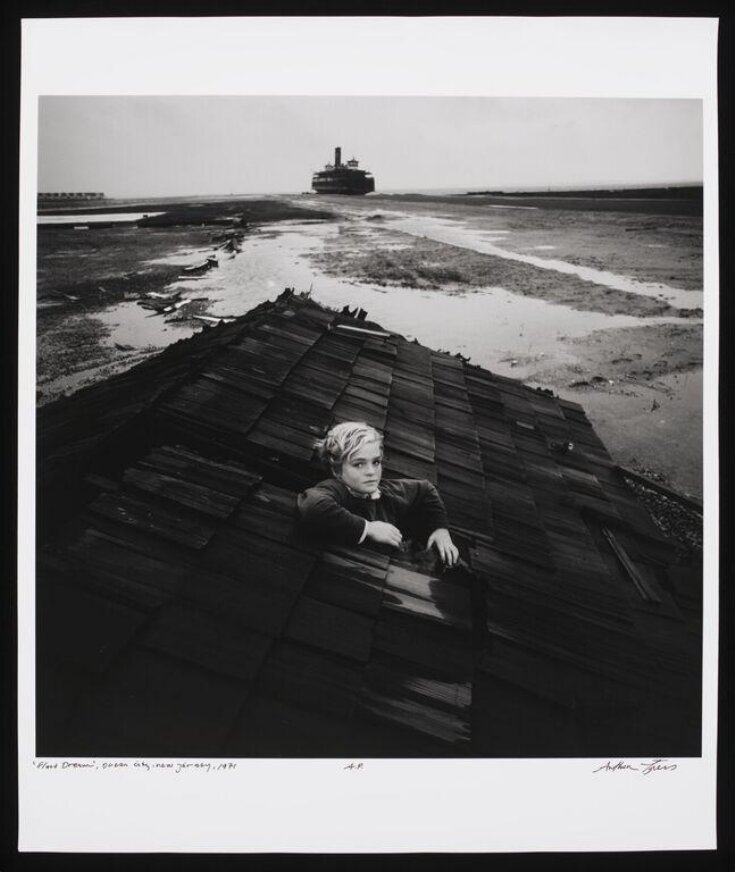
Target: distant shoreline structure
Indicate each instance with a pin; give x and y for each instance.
(70, 197)
(686, 192)
(685, 198)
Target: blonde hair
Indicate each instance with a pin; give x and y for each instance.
(343, 441)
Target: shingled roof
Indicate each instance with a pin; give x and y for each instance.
(181, 612)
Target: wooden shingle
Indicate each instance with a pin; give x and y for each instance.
(205, 621)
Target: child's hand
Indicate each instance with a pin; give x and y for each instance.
(383, 533)
(442, 541)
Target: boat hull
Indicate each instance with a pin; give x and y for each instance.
(350, 182)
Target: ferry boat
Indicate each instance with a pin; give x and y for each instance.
(342, 178)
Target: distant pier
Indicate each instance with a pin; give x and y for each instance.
(52, 199)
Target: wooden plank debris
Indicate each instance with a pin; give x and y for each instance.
(205, 618)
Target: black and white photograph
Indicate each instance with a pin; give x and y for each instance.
(369, 428)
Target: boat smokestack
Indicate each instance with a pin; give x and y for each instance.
(338, 157)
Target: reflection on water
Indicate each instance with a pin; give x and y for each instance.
(492, 326)
(131, 324)
(95, 218)
(504, 332)
(507, 333)
(455, 233)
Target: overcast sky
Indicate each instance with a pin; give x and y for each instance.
(151, 146)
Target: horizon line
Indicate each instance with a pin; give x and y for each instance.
(531, 189)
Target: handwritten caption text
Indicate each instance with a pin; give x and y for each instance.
(177, 767)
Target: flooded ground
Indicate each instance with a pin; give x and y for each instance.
(659, 248)
(492, 242)
(495, 327)
(96, 218)
(608, 335)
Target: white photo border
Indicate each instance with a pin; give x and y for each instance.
(315, 806)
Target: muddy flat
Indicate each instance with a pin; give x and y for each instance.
(601, 306)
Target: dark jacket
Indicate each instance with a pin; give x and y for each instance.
(330, 510)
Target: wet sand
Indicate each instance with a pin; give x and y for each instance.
(603, 308)
(617, 327)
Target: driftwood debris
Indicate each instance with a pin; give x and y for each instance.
(160, 302)
(204, 266)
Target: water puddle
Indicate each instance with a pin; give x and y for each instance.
(185, 256)
(131, 325)
(497, 329)
(453, 233)
(505, 332)
(96, 218)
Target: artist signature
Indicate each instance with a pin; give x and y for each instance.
(657, 765)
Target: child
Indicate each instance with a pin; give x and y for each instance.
(355, 506)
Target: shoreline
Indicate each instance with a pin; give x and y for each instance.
(109, 270)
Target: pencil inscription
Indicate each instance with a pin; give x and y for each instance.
(174, 766)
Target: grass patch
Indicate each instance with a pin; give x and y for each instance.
(428, 265)
(412, 267)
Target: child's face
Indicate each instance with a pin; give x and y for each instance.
(362, 472)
